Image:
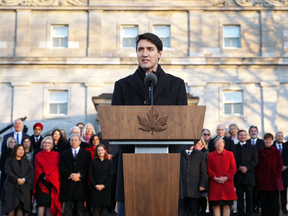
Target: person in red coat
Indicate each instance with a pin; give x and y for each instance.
(93, 143)
(47, 179)
(268, 177)
(221, 168)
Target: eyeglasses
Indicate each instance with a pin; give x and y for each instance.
(206, 134)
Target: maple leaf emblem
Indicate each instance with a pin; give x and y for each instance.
(152, 123)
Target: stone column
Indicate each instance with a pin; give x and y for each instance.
(270, 99)
(268, 34)
(20, 99)
(95, 33)
(92, 89)
(22, 47)
(195, 32)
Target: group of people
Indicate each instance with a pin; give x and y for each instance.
(52, 170)
(214, 168)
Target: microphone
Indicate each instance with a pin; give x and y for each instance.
(150, 80)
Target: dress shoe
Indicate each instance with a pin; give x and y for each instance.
(284, 211)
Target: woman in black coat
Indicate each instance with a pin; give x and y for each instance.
(16, 192)
(11, 142)
(100, 175)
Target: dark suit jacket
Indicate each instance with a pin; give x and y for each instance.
(285, 162)
(5, 138)
(132, 90)
(259, 143)
(69, 189)
(229, 145)
(66, 145)
(246, 156)
(33, 141)
(193, 171)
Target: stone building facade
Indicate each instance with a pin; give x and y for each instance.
(55, 55)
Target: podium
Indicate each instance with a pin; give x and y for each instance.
(151, 175)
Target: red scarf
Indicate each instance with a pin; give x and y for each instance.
(48, 162)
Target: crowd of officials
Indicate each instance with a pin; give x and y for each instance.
(81, 172)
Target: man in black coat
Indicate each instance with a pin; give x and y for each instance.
(132, 90)
(258, 143)
(74, 164)
(36, 138)
(18, 134)
(244, 179)
(193, 171)
(254, 140)
(229, 144)
(66, 144)
(283, 148)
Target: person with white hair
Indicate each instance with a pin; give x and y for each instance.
(18, 134)
(87, 132)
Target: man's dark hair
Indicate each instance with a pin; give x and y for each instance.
(253, 126)
(241, 131)
(152, 38)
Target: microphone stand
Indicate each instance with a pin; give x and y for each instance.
(151, 93)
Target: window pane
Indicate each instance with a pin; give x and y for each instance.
(226, 42)
(237, 108)
(60, 31)
(162, 31)
(53, 109)
(125, 42)
(166, 42)
(233, 96)
(235, 42)
(129, 31)
(227, 108)
(55, 42)
(64, 42)
(231, 31)
(59, 96)
(63, 108)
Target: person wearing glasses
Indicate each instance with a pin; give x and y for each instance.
(206, 135)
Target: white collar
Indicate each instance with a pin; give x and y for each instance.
(188, 151)
(77, 150)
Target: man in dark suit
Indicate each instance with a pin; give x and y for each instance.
(36, 138)
(193, 171)
(18, 134)
(229, 144)
(254, 140)
(283, 148)
(244, 179)
(73, 166)
(132, 90)
(258, 143)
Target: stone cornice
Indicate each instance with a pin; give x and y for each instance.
(269, 61)
(145, 8)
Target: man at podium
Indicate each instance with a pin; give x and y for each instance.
(132, 90)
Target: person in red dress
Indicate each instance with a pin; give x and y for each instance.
(47, 180)
(221, 168)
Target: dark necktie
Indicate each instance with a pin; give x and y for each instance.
(18, 142)
(280, 148)
(75, 154)
(36, 140)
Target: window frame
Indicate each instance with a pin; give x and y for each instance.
(57, 102)
(231, 37)
(121, 35)
(236, 102)
(51, 35)
(163, 25)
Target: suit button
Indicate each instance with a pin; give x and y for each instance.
(187, 170)
(74, 162)
(145, 102)
(187, 180)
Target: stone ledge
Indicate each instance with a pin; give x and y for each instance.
(133, 61)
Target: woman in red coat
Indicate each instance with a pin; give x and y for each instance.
(268, 177)
(47, 180)
(221, 168)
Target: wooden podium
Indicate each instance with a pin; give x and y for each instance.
(151, 180)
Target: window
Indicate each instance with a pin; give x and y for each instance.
(163, 32)
(233, 102)
(59, 36)
(128, 35)
(58, 101)
(231, 36)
